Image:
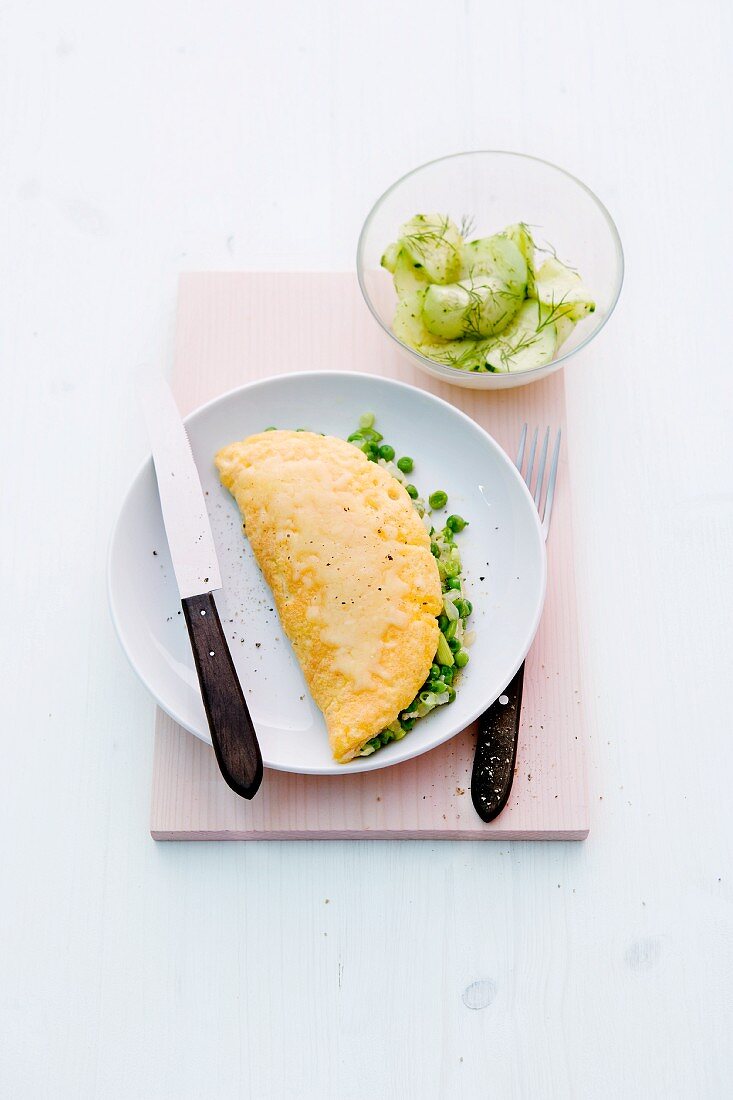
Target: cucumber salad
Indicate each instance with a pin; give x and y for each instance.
(490, 304)
(454, 638)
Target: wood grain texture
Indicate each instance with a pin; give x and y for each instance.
(224, 332)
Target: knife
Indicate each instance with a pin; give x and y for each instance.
(196, 568)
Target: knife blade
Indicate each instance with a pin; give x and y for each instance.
(196, 567)
(182, 500)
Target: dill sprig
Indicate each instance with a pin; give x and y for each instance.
(433, 234)
(470, 356)
(550, 250)
(508, 350)
(556, 311)
(478, 299)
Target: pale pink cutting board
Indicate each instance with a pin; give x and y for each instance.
(233, 328)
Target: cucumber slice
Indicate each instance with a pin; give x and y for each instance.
(499, 258)
(529, 341)
(563, 326)
(562, 289)
(476, 308)
(433, 241)
(409, 327)
(389, 259)
(522, 238)
(445, 309)
(409, 277)
(466, 354)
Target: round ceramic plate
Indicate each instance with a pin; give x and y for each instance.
(502, 550)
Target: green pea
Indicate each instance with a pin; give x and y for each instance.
(411, 491)
(438, 499)
(446, 674)
(456, 523)
(454, 583)
(454, 645)
(386, 452)
(443, 621)
(405, 464)
(436, 686)
(467, 608)
(434, 672)
(461, 658)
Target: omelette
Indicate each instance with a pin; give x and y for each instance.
(348, 560)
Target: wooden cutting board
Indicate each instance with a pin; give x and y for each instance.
(233, 328)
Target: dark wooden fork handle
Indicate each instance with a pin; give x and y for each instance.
(232, 731)
(496, 751)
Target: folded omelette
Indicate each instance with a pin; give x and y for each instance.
(349, 564)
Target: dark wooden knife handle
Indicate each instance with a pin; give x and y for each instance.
(232, 731)
(496, 751)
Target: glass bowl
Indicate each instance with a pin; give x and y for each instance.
(493, 190)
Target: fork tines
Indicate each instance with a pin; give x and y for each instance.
(544, 508)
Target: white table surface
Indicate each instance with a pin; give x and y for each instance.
(138, 140)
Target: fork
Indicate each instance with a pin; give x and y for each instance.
(498, 727)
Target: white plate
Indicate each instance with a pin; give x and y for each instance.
(503, 553)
